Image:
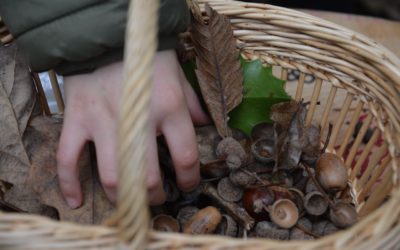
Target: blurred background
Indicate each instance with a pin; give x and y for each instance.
(389, 9)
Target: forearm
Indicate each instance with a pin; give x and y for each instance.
(79, 36)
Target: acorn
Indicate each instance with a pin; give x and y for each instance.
(242, 179)
(204, 221)
(343, 215)
(298, 198)
(185, 214)
(310, 186)
(331, 172)
(266, 229)
(315, 203)
(228, 191)
(227, 227)
(262, 130)
(263, 150)
(165, 223)
(298, 234)
(255, 199)
(194, 194)
(171, 190)
(323, 228)
(284, 213)
(232, 151)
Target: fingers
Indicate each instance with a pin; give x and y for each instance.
(197, 114)
(104, 138)
(180, 136)
(153, 180)
(72, 140)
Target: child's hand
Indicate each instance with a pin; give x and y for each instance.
(92, 102)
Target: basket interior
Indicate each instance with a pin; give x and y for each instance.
(335, 70)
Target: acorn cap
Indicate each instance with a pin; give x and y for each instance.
(228, 226)
(228, 191)
(185, 214)
(297, 198)
(284, 213)
(266, 229)
(315, 203)
(263, 150)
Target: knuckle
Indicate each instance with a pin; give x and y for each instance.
(173, 98)
(64, 160)
(188, 159)
(153, 183)
(188, 184)
(109, 181)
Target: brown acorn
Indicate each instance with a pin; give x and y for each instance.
(266, 229)
(298, 234)
(315, 203)
(343, 215)
(204, 221)
(262, 130)
(331, 172)
(310, 186)
(232, 151)
(284, 213)
(297, 198)
(254, 201)
(228, 191)
(186, 213)
(165, 223)
(324, 227)
(227, 227)
(242, 179)
(263, 150)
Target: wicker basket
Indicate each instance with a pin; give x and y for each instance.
(339, 59)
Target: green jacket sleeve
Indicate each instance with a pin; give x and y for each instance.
(76, 36)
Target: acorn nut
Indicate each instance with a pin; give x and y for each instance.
(186, 213)
(165, 223)
(228, 226)
(331, 172)
(204, 221)
(254, 200)
(266, 229)
(228, 191)
(343, 215)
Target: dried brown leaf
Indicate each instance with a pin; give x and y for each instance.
(17, 100)
(218, 67)
(42, 140)
(289, 141)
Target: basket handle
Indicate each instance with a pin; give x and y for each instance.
(132, 215)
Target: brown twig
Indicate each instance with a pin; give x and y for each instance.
(5, 206)
(234, 210)
(320, 189)
(306, 231)
(328, 138)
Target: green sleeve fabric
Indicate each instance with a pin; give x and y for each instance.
(77, 36)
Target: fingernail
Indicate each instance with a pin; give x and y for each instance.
(72, 202)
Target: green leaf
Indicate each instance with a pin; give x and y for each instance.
(261, 90)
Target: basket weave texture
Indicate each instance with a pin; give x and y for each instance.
(338, 58)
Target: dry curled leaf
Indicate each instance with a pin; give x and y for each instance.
(42, 136)
(17, 100)
(292, 137)
(218, 67)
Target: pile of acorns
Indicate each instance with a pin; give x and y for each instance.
(278, 183)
